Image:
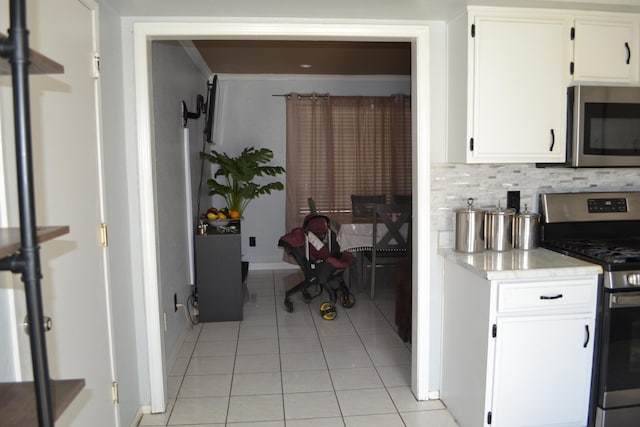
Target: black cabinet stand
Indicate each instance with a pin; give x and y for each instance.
(219, 277)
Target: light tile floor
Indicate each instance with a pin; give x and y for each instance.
(277, 369)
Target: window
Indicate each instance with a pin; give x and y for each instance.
(343, 145)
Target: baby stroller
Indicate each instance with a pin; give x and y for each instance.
(317, 252)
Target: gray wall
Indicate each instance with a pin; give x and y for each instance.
(175, 78)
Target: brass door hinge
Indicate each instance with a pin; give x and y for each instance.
(114, 392)
(104, 240)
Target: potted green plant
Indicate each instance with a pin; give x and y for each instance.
(238, 187)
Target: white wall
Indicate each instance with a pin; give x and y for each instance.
(249, 115)
(353, 9)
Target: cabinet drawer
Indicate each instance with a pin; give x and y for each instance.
(565, 294)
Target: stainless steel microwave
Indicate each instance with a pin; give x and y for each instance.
(603, 126)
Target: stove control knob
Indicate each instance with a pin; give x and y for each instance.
(633, 279)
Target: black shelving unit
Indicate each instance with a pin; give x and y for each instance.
(19, 247)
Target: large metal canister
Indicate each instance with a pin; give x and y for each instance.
(498, 229)
(526, 230)
(469, 232)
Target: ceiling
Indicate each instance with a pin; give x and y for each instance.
(306, 57)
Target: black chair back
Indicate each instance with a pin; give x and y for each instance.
(363, 206)
(393, 244)
(393, 217)
(312, 206)
(400, 199)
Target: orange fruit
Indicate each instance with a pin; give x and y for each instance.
(234, 214)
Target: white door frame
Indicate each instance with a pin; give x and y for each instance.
(92, 5)
(345, 30)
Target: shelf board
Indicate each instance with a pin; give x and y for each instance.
(18, 401)
(39, 64)
(10, 237)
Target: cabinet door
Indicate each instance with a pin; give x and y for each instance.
(605, 51)
(520, 73)
(542, 370)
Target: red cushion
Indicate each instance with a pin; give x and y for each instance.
(346, 260)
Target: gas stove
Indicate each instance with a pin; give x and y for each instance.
(602, 228)
(613, 252)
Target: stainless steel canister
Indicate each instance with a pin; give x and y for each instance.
(526, 231)
(469, 233)
(498, 229)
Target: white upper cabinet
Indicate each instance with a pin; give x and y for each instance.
(606, 49)
(507, 96)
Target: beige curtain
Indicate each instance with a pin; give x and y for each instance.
(309, 169)
(339, 146)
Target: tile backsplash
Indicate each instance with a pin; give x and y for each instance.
(453, 184)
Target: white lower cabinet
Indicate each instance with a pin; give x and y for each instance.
(517, 352)
(542, 370)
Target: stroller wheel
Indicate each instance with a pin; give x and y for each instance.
(328, 311)
(348, 300)
(289, 305)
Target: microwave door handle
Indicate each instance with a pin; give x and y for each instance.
(626, 44)
(553, 140)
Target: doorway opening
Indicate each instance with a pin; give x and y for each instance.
(418, 36)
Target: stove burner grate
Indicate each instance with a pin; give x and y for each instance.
(619, 251)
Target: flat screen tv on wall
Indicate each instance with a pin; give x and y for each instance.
(212, 86)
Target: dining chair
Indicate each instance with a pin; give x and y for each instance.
(312, 206)
(402, 198)
(362, 206)
(391, 237)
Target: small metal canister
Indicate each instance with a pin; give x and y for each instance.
(469, 229)
(526, 231)
(498, 229)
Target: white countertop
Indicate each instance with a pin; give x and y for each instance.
(519, 264)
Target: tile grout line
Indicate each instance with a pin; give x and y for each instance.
(275, 309)
(183, 376)
(375, 367)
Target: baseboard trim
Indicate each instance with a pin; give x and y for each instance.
(272, 266)
(144, 409)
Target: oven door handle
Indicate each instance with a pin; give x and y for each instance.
(625, 300)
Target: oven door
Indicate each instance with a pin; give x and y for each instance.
(620, 351)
